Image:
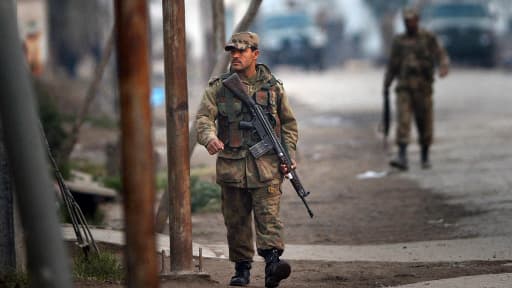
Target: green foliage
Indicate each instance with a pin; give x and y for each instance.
(113, 182)
(104, 266)
(52, 122)
(63, 213)
(14, 280)
(96, 219)
(102, 122)
(161, 181)
(205, 196)
(97, 171)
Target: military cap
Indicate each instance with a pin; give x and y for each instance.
(242, 41)
(410, 12)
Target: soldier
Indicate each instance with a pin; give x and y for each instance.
(248, 184)
(414, 56)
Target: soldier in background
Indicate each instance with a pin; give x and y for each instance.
(248, 185)
(414, 57)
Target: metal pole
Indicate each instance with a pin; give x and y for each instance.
(180, 223)
(47, 259)
(136, 148)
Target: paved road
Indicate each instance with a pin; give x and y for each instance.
(471, 157)
(473, 128)
(480, 281)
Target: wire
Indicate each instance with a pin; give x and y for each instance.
(83, 234)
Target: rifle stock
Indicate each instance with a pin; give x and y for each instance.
(269, 140)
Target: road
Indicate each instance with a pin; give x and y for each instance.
(400, 228)
(473, 128)
(467, 194)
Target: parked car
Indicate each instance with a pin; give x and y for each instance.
(466, 29)
(291, 38)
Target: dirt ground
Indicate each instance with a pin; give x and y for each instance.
(332, 274)
(334, 149)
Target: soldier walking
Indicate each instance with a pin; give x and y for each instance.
(414, 57)
(249, 185)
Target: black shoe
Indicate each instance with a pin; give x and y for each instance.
(275, 268)
(425, 163)
(400, 162)
(275, 272)
(242, 274)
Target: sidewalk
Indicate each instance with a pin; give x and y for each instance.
(480, 281)
(483, 249)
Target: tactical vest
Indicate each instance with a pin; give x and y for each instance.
(418, 59)
(232, 111)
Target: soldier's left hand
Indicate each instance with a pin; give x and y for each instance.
(443, 71)
(284, 168)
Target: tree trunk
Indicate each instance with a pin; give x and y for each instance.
(90, 95)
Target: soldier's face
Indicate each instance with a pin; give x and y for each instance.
(243, 59)
(411, 25)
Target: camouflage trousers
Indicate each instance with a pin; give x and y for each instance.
(238, 207)
(415, 103)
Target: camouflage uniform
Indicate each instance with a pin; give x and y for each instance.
(412, 62)
(248, 184)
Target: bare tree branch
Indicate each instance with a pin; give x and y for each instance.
(223, 58)
(243, 25)
(219, 31)
(90, 95)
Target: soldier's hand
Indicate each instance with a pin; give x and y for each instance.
(284, 168)
(214, 146)
(443, 71)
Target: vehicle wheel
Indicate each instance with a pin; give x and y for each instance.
(488, 62)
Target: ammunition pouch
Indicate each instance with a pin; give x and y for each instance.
(234, 126)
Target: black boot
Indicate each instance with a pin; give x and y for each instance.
(425, 162)
(400, 161)
(242, 274)
(275, 269)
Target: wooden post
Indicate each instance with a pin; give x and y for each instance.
(180, 223)
(136, 148)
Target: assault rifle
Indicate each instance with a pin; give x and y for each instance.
(261, 124)
(386, 118)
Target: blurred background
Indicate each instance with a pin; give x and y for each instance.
(340, 46)
(331, 56)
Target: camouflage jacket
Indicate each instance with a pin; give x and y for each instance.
(235, 165)
(414, 58)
